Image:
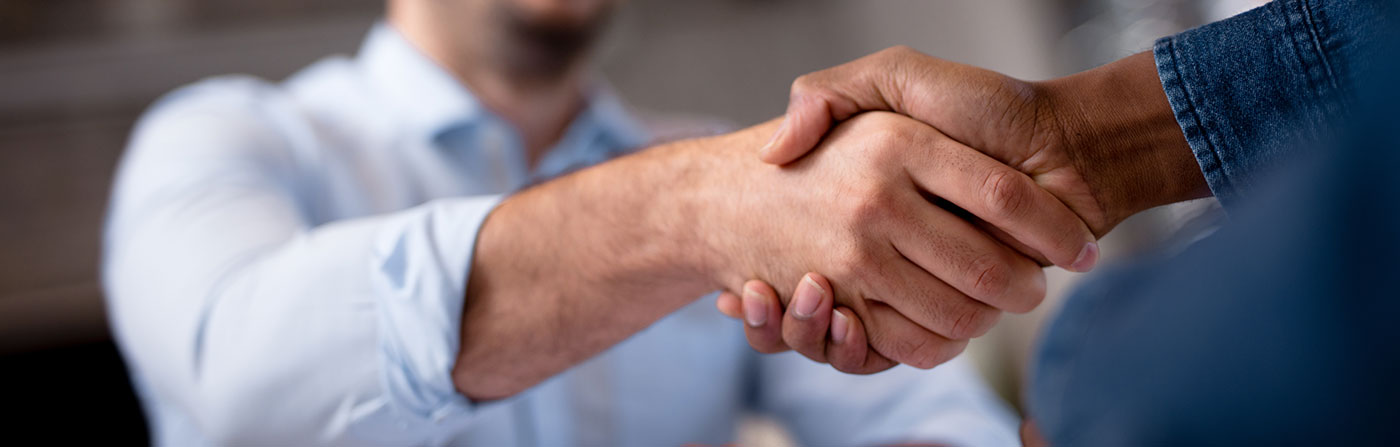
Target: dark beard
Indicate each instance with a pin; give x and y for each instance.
(543, 50)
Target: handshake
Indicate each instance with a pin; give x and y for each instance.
(907, 201)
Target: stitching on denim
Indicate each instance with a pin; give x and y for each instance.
(1320, 78)
(1305, 49)
(1315, 33)
(1198, 126)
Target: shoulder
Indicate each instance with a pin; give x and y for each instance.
(246, 114)
(218, 115)
(229, 96)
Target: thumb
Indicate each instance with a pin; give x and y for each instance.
(804, 124)
(820, 98)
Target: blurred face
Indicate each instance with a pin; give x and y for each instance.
(543, 38)
(531, 39)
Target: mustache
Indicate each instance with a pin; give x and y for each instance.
(545, 48)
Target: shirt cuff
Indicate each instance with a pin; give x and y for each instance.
(419, 270)
(1247, 90)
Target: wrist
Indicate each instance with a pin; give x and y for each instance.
(1118, 127)
(714, 194)
(684, 200)
(671, 206)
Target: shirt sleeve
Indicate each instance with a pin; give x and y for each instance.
(238, 313)
(948, 405)
(1278, 329)
(1246, 90)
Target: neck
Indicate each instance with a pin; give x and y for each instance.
(539, 109)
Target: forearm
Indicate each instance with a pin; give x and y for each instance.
(1212, 109)
(569, 268)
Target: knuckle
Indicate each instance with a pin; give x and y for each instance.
(1034, 295)
(920, 352)
(947, 351)
(937, 354)
(872, 204)
(803, 84)
(972, 323)
(989, 276)
(896, 51)
(857, 262)
(896, 132)
(882, 130)
(928, 351)
(1006, 194)
(886, 140)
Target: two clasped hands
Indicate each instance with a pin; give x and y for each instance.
(953, 186)
(901, 205)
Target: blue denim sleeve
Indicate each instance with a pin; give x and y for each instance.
(1247, 89)
(1276, 330)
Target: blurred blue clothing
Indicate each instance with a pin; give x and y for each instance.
(285, 265)
(1280, 328)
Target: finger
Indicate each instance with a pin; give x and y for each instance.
(933, 304)
(1002, 236)
(957, 254)
(728, 304)
(808, 317)
(1003, 197)
(895, 337)
(848, 351)
(1031, 436)
(805, 122)
(762, 312)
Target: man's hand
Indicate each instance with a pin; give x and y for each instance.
(847, 350)
(865, 211)
(1103, 142)
(570, 267)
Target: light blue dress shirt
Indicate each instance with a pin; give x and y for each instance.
(285, 264)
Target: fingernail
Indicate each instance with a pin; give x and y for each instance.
(774, 139)
(755, 308)
(1088, 256)
(840, 326)
(806, 298)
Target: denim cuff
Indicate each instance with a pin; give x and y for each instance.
(1247, 90)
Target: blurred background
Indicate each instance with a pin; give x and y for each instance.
(75, 74)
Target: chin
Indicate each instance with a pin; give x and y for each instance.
(543, 45)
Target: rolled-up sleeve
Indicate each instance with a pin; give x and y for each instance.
(1249, 90)
(243, 316)
(420, 265)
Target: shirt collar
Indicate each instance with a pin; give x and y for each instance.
(416, 89)
(433, 102)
